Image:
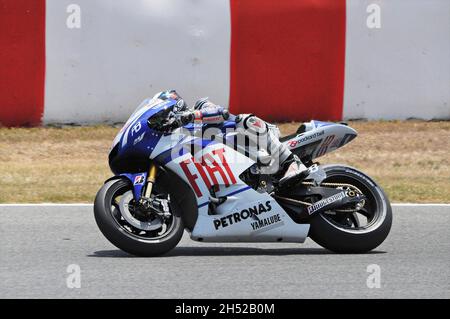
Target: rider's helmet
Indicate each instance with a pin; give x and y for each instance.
(181, 105)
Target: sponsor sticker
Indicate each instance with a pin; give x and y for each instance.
(324, 202)
(139, 180)
(244, 214)
(302, 139)
(268, 223)
(361, 175)
(139, 138)
(211, 166)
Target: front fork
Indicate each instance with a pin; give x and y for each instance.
(157, 205)
(151, 178)
(143, 183)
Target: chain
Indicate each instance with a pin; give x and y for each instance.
(296, 201)
(336, 185)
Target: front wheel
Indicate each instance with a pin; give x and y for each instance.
(356, 230)
(131, 230)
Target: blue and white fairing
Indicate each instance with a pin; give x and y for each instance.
(135, 142)
(136, 127)
(319, 138)
(246, 215)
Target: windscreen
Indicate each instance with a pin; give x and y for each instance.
(146, 105)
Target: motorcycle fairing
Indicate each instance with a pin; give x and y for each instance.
(320, 139)
(246, 221)
(130, 131)
(138, 182)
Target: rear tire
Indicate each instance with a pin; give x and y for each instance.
(330, 235)
(120, 236)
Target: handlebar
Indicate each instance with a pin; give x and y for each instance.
(175, 121)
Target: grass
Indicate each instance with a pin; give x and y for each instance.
(409, 159)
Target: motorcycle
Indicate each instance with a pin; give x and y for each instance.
(167, 181)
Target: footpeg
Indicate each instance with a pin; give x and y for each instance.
(218, 200)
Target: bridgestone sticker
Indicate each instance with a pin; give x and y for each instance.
(324, 202)
(361, 175)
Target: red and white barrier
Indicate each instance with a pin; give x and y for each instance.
(90, 61)
(22, 58)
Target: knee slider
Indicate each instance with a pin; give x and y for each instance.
(252, 124)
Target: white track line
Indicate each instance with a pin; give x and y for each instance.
(420, 204)
(47, 205)
(90, 205)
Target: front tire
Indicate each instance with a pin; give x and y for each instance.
(119, 234)
(338, 234)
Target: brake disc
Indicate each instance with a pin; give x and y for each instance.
(126, 214)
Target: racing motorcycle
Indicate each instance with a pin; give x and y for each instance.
(167, 181)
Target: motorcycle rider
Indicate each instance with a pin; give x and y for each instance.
(206, 112)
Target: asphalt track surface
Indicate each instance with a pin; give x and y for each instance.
(37, 243)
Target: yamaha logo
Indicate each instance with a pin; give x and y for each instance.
(242, 215)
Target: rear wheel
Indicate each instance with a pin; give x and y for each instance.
(129, 228)
(353, 229)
